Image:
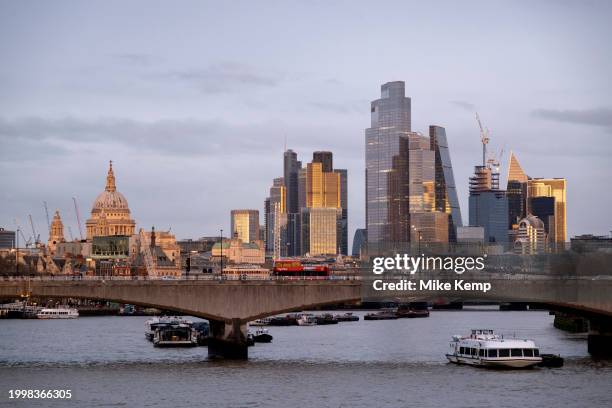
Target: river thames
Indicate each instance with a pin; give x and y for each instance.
(106, 362)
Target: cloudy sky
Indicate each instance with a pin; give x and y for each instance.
(193, 100)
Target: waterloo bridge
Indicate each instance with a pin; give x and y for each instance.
(230, 304)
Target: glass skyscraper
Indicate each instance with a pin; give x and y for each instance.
(387, 189)
(446, 199)
(291, 169)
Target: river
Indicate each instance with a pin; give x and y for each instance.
(106, 362)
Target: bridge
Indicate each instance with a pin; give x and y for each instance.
(230, 304)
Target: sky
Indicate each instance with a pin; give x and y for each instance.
(195, 100)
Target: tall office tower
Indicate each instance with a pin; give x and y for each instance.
(276, 219)
(516, 191)
(319, 235)
(245, 225)
(291, 167)
(302, 188)
(324, 158)
(322, 188)
(264, 228)
(555, 187)
(359, 241)
(515, 171)
(446, 199)
(344, 205)
(386, 157)
(489, 209)
(488, 205)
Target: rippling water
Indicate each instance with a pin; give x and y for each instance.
(106, 361)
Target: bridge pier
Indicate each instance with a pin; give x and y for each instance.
(600, 337)
(228, 340)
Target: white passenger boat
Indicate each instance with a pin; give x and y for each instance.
(58, 313)
(483, 348)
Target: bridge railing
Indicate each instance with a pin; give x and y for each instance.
(220, 278)
(356, 277)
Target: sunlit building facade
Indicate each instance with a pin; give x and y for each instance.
(320, 231)
(556, 188)
(245, 225)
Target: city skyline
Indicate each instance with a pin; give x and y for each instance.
(167, 116)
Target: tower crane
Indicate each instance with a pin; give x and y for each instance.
(78, 216)
(484, 138)
(34, 235)
(47, 214)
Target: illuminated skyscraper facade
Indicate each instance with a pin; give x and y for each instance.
(556, 188)
(245, 225)
(321, 219)
(446, 199)
(387, 167)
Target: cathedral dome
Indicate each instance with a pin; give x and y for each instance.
(110, 214)
(110, 199)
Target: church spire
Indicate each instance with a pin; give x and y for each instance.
(110, 179)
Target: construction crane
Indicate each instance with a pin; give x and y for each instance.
(34, 235)
(78, 216)
(484, 138)
(20, 233)
(47, 213)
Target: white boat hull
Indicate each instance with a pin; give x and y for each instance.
(523, 362)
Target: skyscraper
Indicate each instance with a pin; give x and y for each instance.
(359, 240)
(516, 191)
(276, 219)
(488, 205)
(344, 205)
(446, 199)
(325, 158)
(489, 209)
(291, 167)
(245, 225)
(555, 187)
(386, 167)
(321, 218)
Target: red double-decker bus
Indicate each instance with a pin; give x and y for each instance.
(295, 267)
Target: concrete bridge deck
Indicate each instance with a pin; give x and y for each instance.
(231, 304)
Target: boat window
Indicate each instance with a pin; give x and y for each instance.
(517, 352)
(504, 352)
(461, 350)
(536, 352)
(474, 351)
(481, 353)
(528, 352)
(493, 353)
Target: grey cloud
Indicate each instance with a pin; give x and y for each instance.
(595, 117)
(464, 105)
(45, 137)
(223, 77)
